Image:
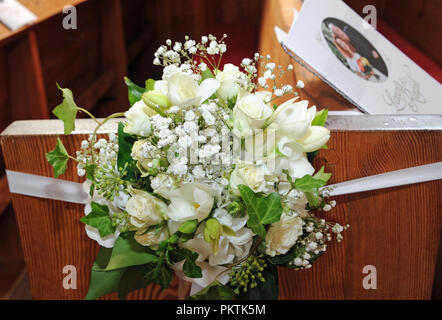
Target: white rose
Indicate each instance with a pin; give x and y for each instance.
(161, 86)
(265, 95)
(282, 235)
(144, 209)
(316, 138)
(228, 79)
(188, 202)
(184, 91)
(249, 175)
(151, 238)
(249, 113)
(138, 120)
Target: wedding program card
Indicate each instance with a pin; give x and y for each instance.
(358, 62)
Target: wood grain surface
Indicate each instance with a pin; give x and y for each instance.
(396, 230)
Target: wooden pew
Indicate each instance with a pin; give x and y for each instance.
(396, 230)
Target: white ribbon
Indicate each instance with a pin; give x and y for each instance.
(396, 178)
(43, 187)
(56, 189)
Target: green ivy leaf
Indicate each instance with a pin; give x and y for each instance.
(58, 158)
(190, 268)
(135, 92)
(150, 84)
(67, 110)
(268, 290)
(128, 252)
(261, 210)
(320, 118)
(90, 171)
(321, 175)
(99, 218)
(307, 183)
(103, 282)
(214, 291)
(160, 274)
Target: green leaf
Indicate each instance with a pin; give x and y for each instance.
(132, 279)
(207, 74)
(321, 175)
(160, 274)
(320, 118)
(125, 143)
(128, 252)
(58, 158)
(214, 291)
(90, 171)
(99, 218)
(261, 210)
(135, 92)
(67, 110)
(103, 282)
(307, 183)
(188, 227)
(190, 268)
(150, 84)
(268, 290)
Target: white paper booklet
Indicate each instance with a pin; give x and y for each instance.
(358, 62)
(14, 15)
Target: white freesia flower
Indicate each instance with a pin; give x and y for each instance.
(293, 119)
(250, 175)
(184, 91)
(228, 79)
(231, 248)
(282, 235)
(145, 209)
(138, 120)
(188, 202)
(316, 138)
(249, 113)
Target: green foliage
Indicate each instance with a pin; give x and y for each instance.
(103, 282)
(159, 273)
(150, 84)
(132, 279)
(135, 92)
(58, 158)
(207, 74)
(214, 291)
(128, 252)
(308, 184)
(321, 175)
(267, 290)
(99, 218)
(125, 143)
(190, 268)
(188, 227)
(67, 110)
(320, 118)
(261, 210)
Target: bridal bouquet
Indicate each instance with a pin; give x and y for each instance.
(207, 178)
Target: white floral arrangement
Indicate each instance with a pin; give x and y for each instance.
(207, 178)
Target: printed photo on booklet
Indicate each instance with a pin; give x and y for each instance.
(344, 50)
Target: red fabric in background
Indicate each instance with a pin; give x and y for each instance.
(242, 41)
(419, 57)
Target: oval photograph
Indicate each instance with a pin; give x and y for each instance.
(354, 50)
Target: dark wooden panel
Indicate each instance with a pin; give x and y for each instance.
(396, 230)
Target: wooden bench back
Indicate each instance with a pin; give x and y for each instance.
(395, 230)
